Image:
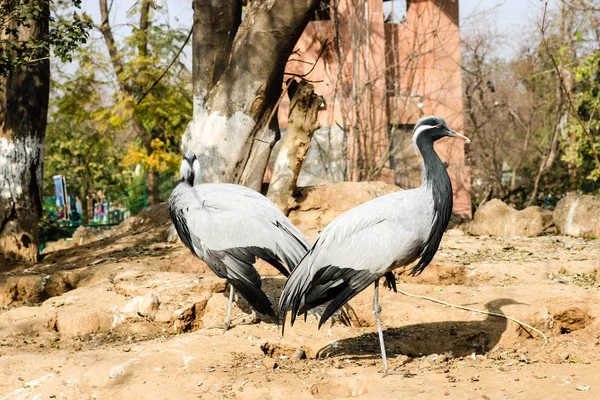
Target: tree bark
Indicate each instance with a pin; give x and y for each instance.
(152, 189)
(302, 123)
(216, 23)
(228, 131)
(23, 111)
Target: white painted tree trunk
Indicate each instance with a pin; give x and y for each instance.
(225, 148)
(232, 130)
(20, 173)
(24, 94)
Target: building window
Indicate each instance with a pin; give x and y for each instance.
(404, 161)
(323, 12)
(394, 11)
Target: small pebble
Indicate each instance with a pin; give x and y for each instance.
(582, 388)
(299, 354)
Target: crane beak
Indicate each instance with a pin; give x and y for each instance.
(455, 134)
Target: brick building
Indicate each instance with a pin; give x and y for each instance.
(381, 66)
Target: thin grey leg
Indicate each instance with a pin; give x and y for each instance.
(228, 319)
(377, 312)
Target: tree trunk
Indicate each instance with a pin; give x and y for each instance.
(302, 123)
(228, 131)
(152, 190)
(215, 25)
(23, 111)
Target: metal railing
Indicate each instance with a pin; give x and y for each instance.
(126, 204)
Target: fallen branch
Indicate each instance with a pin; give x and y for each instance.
(102, 260)
(522, 324)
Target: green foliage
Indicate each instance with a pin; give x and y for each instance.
(65, 34)
(164, 112)
(77, 146)
(587, 104)
(90, 137)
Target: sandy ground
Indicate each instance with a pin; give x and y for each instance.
(127, 318)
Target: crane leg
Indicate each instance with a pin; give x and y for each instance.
(228, 319)
(377, 312)
(228, 323)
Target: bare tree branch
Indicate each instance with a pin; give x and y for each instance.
(569, 96)
(167, 68)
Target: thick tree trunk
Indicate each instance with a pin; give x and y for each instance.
(23, 112)
(215, 25)
(302, 123)
(228, 131)
(152, 192)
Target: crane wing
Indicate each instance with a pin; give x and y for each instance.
(220, 216)
(356, 249)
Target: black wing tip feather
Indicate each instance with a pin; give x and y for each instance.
(390, 281)
(257, 299)
(241, 274)
(325, 286)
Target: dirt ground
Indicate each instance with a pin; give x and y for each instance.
(129, 317)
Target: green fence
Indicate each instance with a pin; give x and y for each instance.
(126, 204)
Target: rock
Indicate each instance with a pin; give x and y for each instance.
(578, 215)
(26, 321)
(319, 205)
(61, 282)
(86, 310)
(299, 354)
(22, 288)
(152, 216)
(61, 244)
(269, 363)
(124, 226)
(173, 235)
(191, 317)
(83, 235)
(145, 306)
(81, 321)
(455, 232)
(495, 218)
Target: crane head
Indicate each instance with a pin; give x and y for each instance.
(190, 168)
(432, 128)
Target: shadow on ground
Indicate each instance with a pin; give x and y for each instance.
(454, 338)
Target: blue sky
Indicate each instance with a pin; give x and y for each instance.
(511, 19)
(508, 18)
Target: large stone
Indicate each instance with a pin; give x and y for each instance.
(495, 218)
(84, 235)
(21, 288)
(61, 282)
(145, 306)
(578, 215)
(151, 217)
(319, 205)
(78, 322)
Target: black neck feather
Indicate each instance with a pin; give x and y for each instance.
(437, 182)
(189, 179)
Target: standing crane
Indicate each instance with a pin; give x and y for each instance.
(229, 226)
(370, 241)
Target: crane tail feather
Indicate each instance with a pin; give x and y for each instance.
(240, 273)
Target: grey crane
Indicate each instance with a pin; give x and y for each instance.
(229, 226)
(371, 240)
